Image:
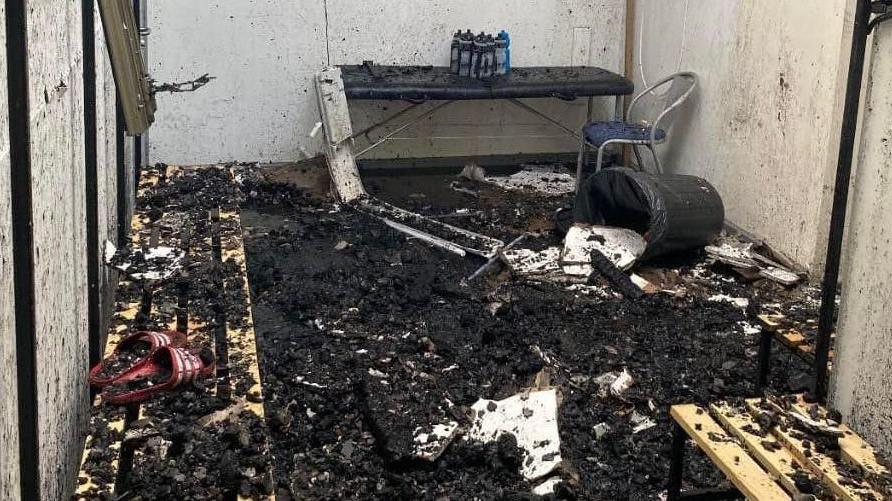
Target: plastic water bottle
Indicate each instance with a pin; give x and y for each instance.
(465, 48)
(505, 63)
(477, 55)
(455, 53)
(489, 59)
(502, 54)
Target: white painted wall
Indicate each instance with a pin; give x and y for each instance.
(764, 125)
(9, 433)
(265, 52)
(863, 368)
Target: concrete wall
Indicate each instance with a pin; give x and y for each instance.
(764, 125)
(863, 369)
(264, 53)
(9, 433)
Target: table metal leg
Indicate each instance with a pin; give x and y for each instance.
(386, 137)
(384, 122)
(676, 462)
(764, 358)
(582, 159)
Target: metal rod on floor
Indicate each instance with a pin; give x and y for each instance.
(827, 321)
(495, 258)
(403, 127)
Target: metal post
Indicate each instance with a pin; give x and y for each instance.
(676, 462)
(764, 358)
(827, 322)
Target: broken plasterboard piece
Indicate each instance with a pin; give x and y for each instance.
(156, 263)
(737, 256)
(780, 275)
(544, 179)
(429, 445)
(530, 262)
(620, 245)
(532, 419)
(740, 302)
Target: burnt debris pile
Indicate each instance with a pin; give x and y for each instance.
(378, 362)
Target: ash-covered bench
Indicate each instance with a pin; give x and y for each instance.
(777, 448)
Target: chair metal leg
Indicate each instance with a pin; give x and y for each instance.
(676, 462)
(657, 163)
(579, 164)
(764, 359)
(638, 157)
(600, 158)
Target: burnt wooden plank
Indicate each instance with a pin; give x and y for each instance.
(741, 469)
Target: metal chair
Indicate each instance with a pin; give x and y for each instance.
(641, 131)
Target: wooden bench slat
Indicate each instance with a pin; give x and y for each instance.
(854, 450)
(242, 340)
(821, 465)
(731, 458)
(780, 463)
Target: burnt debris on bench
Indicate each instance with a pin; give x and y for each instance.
(207, 441)
(796, 336)
(778, 448)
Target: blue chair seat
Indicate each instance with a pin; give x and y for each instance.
(598, 133)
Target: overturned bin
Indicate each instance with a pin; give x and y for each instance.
(673, 212)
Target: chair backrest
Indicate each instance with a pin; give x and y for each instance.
(656, 103)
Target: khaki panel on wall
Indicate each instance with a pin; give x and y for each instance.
(131, 76)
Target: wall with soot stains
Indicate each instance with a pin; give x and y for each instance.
(55, 391)
(764, 125)
(862, 372)
(264, 53)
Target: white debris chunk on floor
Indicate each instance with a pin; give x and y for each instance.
(532, 419)
(156, 263)
(530, 262)
(616, 382)
(640, 422)
(740, 302)
(546, 487)
(548, 180)
(749, 328)
(429, 445)
(620, 245)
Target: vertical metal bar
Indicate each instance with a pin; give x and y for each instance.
(22, 245)
(764, 358)
(827, 320)
(676, 464)
(94, 313)
(138, 139)
(123, 199)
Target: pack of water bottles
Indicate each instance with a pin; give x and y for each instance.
(480, 56)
